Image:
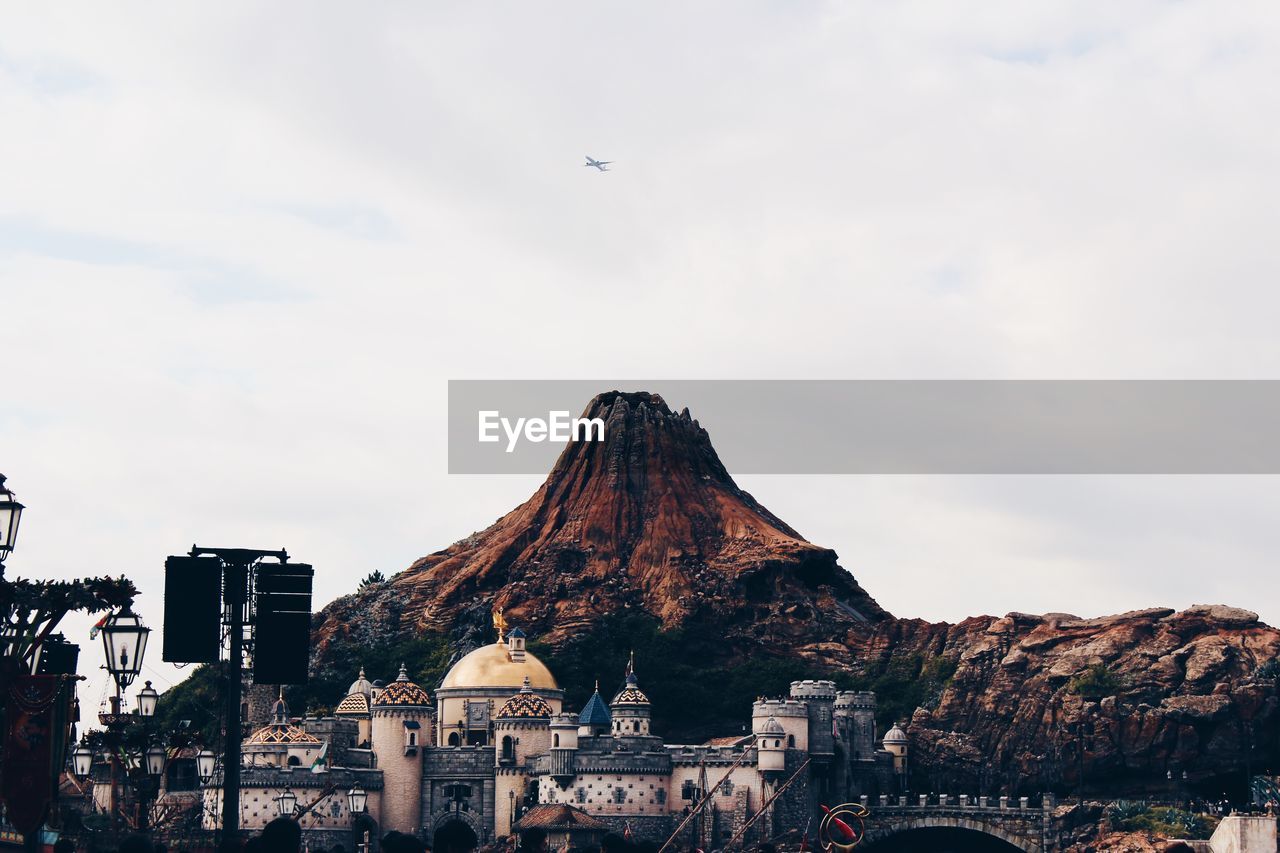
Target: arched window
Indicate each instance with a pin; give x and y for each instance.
(777, 743)
(557, 743)
(791, 741)
(635, 727)
(294, 761)
(453, 739)
(508, 749)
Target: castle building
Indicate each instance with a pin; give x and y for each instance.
(495, 745)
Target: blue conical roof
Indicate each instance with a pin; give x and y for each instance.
(596, 712)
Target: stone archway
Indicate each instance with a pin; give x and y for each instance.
(946, 835)
(454, 835)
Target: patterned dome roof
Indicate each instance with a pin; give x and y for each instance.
(525, 704)
(895, 734)
(286, 733)
(402, 691)
(280, 730)
(631, 694)
(354, 705)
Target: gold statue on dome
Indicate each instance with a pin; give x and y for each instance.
(499, 623)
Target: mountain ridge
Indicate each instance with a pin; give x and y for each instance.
(649, 521)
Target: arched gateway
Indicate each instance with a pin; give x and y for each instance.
(946, 834)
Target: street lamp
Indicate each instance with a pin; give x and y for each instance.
(205, 762)
(124, 640)
(10, 515)
(357, 799)
(82, 760)
(286, 803)
(147, 698)
(155, 761)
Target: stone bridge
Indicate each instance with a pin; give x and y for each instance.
(1004, 823)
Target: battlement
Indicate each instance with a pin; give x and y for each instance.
(811, 689)
(779, 708)
(855, 700)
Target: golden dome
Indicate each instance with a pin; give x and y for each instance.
(492, 666)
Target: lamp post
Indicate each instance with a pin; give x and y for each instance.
(206, 763)
(148, 696)
(286, 803)
(82, 760)
(10, 515)
(124, 642)
(357, 799)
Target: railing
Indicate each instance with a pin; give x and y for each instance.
(960, 803)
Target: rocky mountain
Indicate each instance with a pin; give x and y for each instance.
(648, 519)
(650, 522)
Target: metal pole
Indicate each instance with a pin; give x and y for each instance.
(235, 577)
(706, 798)
(764, 808)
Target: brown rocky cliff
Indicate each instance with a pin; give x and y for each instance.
(1185, 695)
(649, 520)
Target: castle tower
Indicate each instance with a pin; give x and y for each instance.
(771, 746)
(401, 727)
(564, 748)
(856, 720)
(521, 729)
(356, 705)
(820, 697)
(630, 709)
(897, 745)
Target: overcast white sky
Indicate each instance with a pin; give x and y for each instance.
(243, 247)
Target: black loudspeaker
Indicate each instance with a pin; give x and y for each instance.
(57, 656)
(192, 609)
(282, 623)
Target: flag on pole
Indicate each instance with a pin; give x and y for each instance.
(321, 764)
(97, 626)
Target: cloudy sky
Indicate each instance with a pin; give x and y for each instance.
(242, 248)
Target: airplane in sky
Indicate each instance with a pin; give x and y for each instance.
(602, 165)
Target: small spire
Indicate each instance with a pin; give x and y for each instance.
(597, 685)
(631, 663)
(499, 623)
(404, 674)
(528, 686)
(361, 675)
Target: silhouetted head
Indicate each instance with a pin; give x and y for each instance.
(533, 840)
(282, 835)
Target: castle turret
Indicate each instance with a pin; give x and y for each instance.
(595, 718)
(897, 745)
(820, 697)
(630, 709)
(521, 729)
(855, 713)
(401, 727)
(771, 746)
(564, 748)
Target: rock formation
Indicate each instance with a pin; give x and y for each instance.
(650, 520)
